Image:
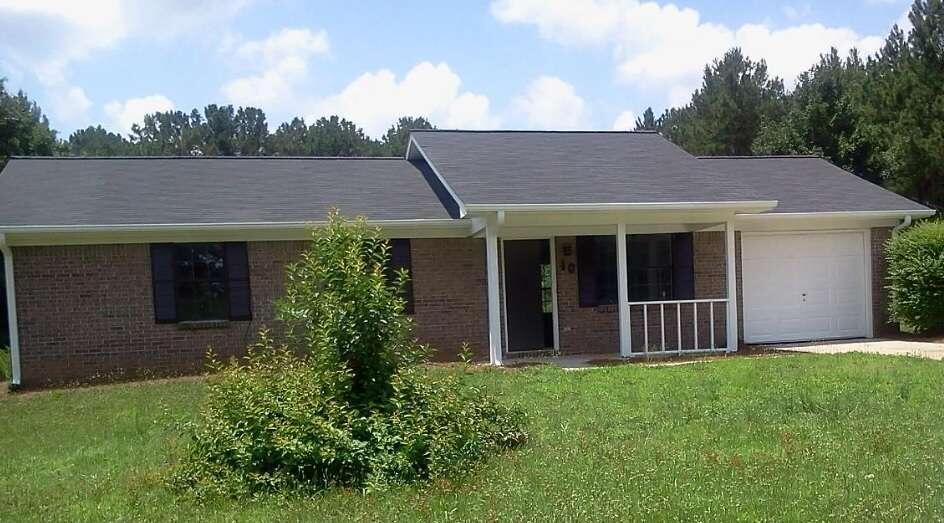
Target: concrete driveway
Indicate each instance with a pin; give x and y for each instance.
(921, 349)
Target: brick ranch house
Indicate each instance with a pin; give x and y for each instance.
(583, 242)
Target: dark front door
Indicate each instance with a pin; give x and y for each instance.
(528, 299)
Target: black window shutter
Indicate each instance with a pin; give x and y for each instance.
(587, 271)
(683, 266)
(162, 279)
(400, 258)
(607, 280)
(236, 260)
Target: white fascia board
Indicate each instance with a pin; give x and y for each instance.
(837, 214)
(188, 232)
(234, 226)
(413, 144)
(743, 206)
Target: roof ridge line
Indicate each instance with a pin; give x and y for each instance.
(215, 157)
(533, 131)
(757, 157)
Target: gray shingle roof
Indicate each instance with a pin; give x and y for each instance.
(535, 167)
(810, 184)
(128, 191)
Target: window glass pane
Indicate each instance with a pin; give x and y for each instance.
(214, 260)
(660, 251)
(650, 267)
(184, 260)
(201, 283)
(547, 296)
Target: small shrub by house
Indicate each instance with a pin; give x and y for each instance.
(916, 276)
(337, 398)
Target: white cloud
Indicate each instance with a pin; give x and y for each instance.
(666, 47)
(125, 114)
(70, 103)
(551, 103)
(282, 60)
(625, 121)
(376, 99)
(44, 38)
(286, 43)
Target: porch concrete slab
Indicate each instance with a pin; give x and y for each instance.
(564, 361)
(921, 349)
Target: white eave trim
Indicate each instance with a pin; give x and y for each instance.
(744, 206)
(837, 214)
(445, 223)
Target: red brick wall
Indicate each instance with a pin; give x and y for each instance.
(880, 321)
(451, 296)
(86, 312)
(582, 329)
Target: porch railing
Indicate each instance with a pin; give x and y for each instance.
(684, 341)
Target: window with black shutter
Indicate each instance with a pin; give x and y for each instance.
(659, 267)
(200, 282)
(400, 258)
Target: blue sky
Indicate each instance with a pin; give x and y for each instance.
(561, 64)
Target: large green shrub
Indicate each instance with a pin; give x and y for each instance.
(341, 400)
(340, 307)
(916, 276)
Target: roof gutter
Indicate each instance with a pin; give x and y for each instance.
(743, 206)
(11, 312)
(838, 214)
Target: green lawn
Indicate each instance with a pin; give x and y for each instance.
(793, 437)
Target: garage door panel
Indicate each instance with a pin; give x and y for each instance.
(804, 286)
(850, 323)
(816, 297)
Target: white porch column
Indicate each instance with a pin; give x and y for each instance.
(730, 264)
(11, 310)
(494, 304)
(622, 286)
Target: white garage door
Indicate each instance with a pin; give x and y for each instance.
(804, 286)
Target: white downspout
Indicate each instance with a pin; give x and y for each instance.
(11, 311)
(906, 222)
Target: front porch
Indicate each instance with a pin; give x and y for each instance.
(658, 283)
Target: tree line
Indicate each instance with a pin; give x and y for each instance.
(218, 130)
(881, 117)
